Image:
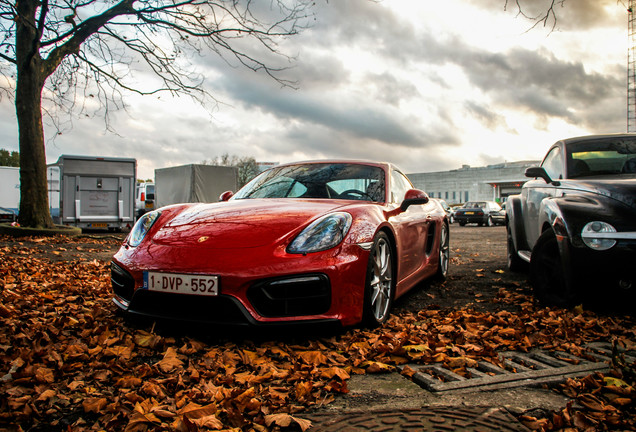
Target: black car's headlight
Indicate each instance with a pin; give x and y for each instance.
(597, 235)
(142, 227)
(322, 234)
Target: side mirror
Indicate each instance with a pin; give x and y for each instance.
(225, 196)
(413, 197)
(540, 172)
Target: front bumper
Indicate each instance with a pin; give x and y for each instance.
(612, 269)
(323, 287)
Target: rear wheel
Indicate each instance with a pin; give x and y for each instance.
(444, 253)
(551, 285)
(379, 286)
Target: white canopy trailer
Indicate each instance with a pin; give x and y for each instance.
(193, 183)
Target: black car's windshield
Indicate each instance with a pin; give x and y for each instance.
(318, 180)
(602, 157)
(475, 205)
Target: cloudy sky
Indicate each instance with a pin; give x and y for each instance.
(427, 85)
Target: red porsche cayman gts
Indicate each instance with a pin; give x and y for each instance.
(321, 241)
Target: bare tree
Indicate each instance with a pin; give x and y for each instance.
(247, 166)
(57, 54)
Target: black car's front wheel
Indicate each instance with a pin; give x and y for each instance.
(551, 282)
(379, 286)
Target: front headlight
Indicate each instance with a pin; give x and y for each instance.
(142, 227)
(322, 234)
(597, 235)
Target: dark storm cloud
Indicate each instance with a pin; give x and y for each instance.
(520, 79)
(541, 83)
(325, 108)
(485, 115)
(367, 121)
(392, 90)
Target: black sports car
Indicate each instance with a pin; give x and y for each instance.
(575, 223)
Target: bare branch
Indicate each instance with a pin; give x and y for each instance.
(546, 16)
(88, 49)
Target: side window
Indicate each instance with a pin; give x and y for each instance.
(399, 185)
(553, 164)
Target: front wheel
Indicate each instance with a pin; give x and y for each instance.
(490, 222)
(444, 253)
(379, 285)
(551, 284)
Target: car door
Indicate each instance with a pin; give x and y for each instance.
(410, 227)
(536, 191)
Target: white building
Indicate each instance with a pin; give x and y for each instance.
(489, 183)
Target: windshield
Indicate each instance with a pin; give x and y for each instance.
(318, 180)
(475, 205)
(607, 156)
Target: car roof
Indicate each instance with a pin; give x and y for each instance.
(384, 165)
(584, 138)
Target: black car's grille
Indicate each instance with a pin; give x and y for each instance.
(221, 309)
(122, 282)
(291, 296)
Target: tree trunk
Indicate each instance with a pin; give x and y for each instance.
(34, 204)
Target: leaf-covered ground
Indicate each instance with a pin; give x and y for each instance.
(69, 361)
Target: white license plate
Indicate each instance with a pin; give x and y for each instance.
(182, 283)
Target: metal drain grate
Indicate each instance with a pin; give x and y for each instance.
(521, 369)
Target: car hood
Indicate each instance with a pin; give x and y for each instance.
(623, 190)
(246, 223)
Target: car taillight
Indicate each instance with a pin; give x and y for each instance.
(143, 196)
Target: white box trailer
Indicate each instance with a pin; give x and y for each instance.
(94, 192)
(10, 188)
(193, 183)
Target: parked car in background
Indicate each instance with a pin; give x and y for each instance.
(331, 242)
(479, 212)
(499, 217)
(7, 215)
(144, 198)
(575, 222)
(447, 209)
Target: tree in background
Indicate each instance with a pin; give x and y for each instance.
(65, 56)
(247, 167)
(11, 159)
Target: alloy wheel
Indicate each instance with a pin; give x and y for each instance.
(381, 280)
